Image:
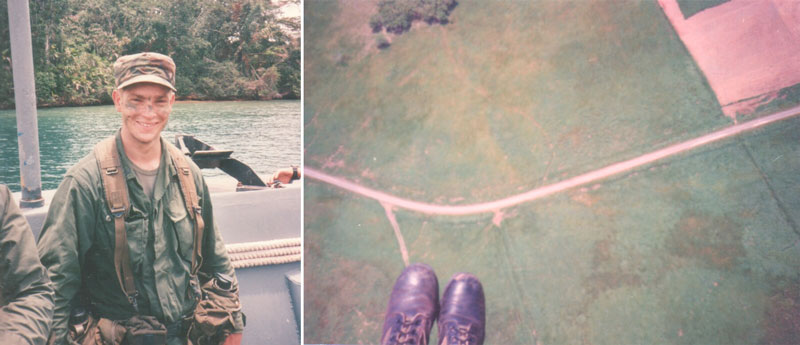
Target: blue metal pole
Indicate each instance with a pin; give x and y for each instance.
(19, 24)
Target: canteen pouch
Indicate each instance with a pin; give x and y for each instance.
(85, 333)
(213, 321)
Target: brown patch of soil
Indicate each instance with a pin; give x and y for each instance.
(609, 271)
(604, 281)
(333, 162)
(714, 241)
(574, 137)
(601, 252)
(351, 281)
(782, 318)
(584, 198)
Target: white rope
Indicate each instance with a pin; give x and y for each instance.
(266, 261)
(263, 253)
(263, 245)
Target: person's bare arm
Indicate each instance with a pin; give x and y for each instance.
(287, 175)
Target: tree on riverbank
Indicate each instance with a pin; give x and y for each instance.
(239, 49)
(397, 15)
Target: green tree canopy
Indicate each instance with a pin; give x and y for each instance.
(397, 15)
(223, 49)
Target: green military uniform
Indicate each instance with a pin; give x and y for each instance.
(26, 296)
(77, 245)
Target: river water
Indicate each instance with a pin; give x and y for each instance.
(264, 135)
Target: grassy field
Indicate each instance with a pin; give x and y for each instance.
(700, 248)
(504, 98)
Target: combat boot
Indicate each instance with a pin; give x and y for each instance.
(413, 307)
(462, 318)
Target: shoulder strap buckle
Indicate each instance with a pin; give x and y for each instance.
(118, 211)
(134, 301)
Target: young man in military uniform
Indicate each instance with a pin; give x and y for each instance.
(77, 243)
(26, 296)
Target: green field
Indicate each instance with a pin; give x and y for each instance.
(513, 95)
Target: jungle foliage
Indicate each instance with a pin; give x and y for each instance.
(223, 49)
(397, 15)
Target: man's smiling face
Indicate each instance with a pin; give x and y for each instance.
(145, 109)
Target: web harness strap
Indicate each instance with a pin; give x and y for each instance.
(117, 199)
(116, 192)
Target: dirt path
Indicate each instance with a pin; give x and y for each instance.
(497, 205)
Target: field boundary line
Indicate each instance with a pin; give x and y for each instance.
(540, 192)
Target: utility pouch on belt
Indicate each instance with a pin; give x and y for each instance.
(138, 330)
(213, 316)
(144, 330)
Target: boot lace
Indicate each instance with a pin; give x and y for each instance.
(461, 334)
(410, 330)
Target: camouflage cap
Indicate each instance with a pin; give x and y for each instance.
(145, 68)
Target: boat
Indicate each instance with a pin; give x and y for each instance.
(261, 229)
(260, 224)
